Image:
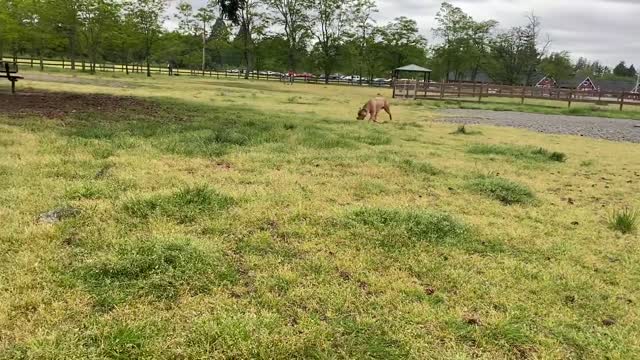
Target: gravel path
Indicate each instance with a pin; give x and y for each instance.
(600, 128)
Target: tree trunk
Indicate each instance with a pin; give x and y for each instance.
(148, 68)
(72, 51)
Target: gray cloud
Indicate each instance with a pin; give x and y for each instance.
(605, 30)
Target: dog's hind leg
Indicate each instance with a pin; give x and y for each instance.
(388, 110)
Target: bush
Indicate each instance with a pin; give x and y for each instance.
(624, 220)
(503, 190)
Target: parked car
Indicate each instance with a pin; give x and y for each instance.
(305, 75)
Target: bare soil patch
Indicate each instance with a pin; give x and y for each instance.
(55, 105)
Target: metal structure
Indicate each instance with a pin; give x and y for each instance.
(636, 90)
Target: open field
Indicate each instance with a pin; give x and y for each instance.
(230, 219)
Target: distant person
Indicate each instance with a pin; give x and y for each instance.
(291, 75)
(170, 68)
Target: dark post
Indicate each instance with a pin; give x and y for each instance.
(523, 94)
(393, 83)
(621, 101)
(570, 97)
(480, 97)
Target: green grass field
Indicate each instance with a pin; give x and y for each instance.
(234, 219)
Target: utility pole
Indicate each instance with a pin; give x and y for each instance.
(636, 90)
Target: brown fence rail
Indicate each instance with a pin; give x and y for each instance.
(81, 65)
(472, 92)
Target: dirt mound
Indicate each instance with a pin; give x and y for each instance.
(57, 105)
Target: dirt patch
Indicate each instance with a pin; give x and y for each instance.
(55, 105)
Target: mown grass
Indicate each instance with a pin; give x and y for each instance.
(263, 228)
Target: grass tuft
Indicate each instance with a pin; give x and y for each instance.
(506, 191)
(183, 206)
(395, 227)
(518, 152)
(624, 220)
(417, 167)
(462, 130)
(156, 269)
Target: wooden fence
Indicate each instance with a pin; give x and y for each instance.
(477, 92)
(81, 65)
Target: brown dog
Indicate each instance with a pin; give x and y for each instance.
(373, 108)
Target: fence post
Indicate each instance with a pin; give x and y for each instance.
(570, 98)
(31, 62)
(523, 94)
(459, 88)
(63, 63)
(441, 90)
(480, 96)
(621, 101)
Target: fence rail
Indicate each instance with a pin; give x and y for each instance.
(136, 68)
(471, 92)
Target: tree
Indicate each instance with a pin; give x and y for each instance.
(632, 71)
(65, 20)
(293, 17)
(252, 23)
(402, 43)
(96, 17)
(557, 66)
(621, 69)
(332, 21)
(147, 17)
(516, 54)
(364, 25)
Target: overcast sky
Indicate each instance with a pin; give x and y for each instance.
(605, 30)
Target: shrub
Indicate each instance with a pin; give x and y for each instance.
(503, 190)
(624, 220)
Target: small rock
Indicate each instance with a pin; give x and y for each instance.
(571, 201)
(570, 299)
(608, 322)
(575, 223)
(58, 215)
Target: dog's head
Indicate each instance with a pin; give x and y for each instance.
(362, 113)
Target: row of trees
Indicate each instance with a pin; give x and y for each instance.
(322, 36)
